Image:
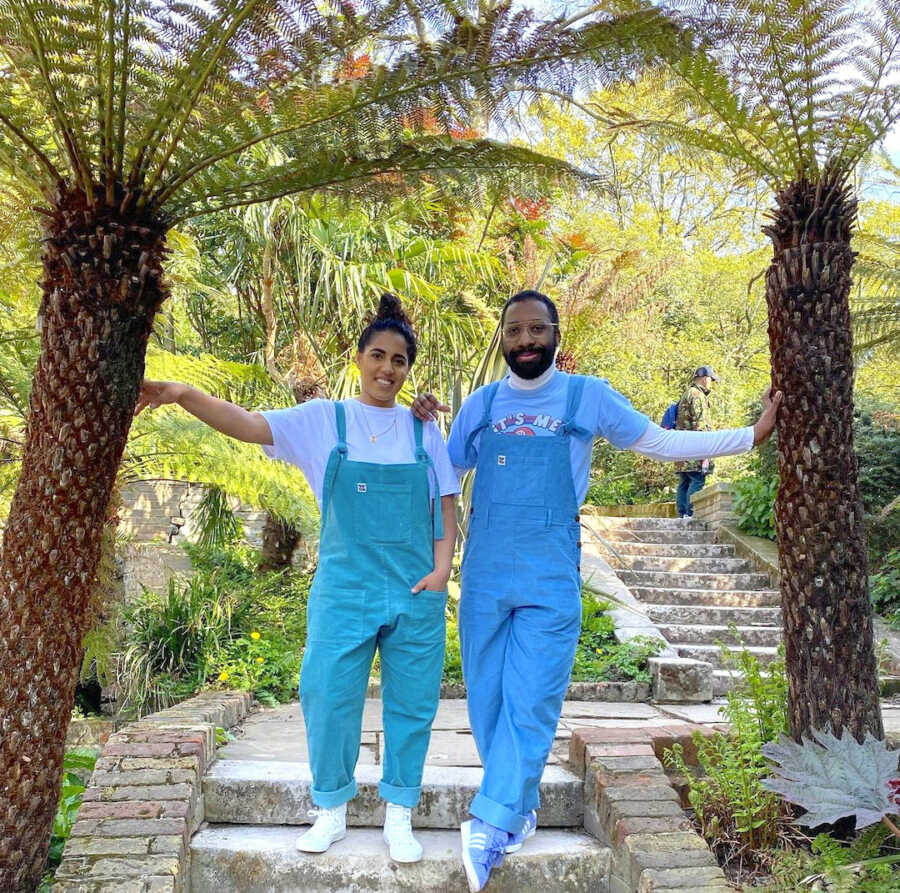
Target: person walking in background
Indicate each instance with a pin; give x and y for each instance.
(694, 415)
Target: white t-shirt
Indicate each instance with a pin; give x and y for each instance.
(305, 435)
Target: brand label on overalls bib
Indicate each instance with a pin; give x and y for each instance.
(501, 460)
(360, 488)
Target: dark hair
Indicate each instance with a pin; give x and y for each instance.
(390, 317)
(531, 295)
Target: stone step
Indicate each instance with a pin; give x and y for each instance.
(239, 859)
(673, 550)
(726, 598)
(666, 614)
(667, 580)
(707, 634)
(712, 654)
(691, 564)
(259, 792)
(683, 537)
(610, 522)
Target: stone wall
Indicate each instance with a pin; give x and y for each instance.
(133, 830)
(162, 511)
(713, 504)
(631, 805)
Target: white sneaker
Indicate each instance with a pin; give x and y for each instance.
(330, 826)
(398, 834)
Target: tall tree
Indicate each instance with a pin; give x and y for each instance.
(797, 92)
(124, 117)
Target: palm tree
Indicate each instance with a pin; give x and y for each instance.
(796, 92)
(122, 118)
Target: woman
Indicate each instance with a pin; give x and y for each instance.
(384, 562)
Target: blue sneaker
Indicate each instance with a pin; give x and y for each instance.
(517, 840)
(482, 850)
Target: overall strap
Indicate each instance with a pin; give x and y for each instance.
(488, 398)
(574, 390)
(340, 417)
(437, 516)
(339, 453)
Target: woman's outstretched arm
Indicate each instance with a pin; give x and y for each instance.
(230, 419)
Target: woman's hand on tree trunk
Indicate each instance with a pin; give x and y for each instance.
(765, 424)
(154, 394)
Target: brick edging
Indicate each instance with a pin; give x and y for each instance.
(631, 805)
(132, 833)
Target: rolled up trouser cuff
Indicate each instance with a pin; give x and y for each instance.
(497, 815)
(401, 796)
(330, 799)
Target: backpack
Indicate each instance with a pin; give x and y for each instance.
(670, 417)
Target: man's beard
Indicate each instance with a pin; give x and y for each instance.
(534, 368)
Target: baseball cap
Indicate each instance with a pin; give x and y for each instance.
(706, 370)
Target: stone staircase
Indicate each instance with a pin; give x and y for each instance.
(694, 589)
(252, 808)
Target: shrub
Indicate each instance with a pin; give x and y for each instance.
(754, 505)
(203, 627)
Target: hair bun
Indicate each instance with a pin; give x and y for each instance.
(390, 308)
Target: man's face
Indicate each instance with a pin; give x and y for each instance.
(706, 382)
(529, 338)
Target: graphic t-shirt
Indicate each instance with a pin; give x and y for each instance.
(305, 435)
(540, 412)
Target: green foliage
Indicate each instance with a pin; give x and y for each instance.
(754, 505)
(736, 815)
(452, 656)
(860, 866)
(599, 657)
(221, 620)
(77, 762)
(885, 588)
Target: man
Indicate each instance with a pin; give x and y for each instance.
(694, 415)
(520, 609)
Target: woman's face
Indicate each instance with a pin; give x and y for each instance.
(383, 367)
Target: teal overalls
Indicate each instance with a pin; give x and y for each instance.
(376, 543)
(520, 611)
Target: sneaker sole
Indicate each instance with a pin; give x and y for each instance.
(471, 877)
(395, 858)
(515, 847)
(340, 836)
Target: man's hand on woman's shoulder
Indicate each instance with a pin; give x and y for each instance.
(426, 407)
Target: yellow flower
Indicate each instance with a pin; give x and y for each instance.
(259, 660)
(254, 635)
(223, 676)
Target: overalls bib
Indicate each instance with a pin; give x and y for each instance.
(520, 611)
(376, 543)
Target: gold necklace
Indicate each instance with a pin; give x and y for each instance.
(374, 437)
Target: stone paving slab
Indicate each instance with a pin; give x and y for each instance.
(231, 858)
(271, 793)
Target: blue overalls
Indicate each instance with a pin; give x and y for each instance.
(376, 543)
(520, 612)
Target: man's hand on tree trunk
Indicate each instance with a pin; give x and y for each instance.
(765, 424)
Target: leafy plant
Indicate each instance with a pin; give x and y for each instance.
(737, 816)
(76, 762)
(600, 657)
(885, 587)
(266, 664)
(832, 778)
(754, 505)
(860, 866)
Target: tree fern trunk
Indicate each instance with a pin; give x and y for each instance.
(102, 286)
(819, 515)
